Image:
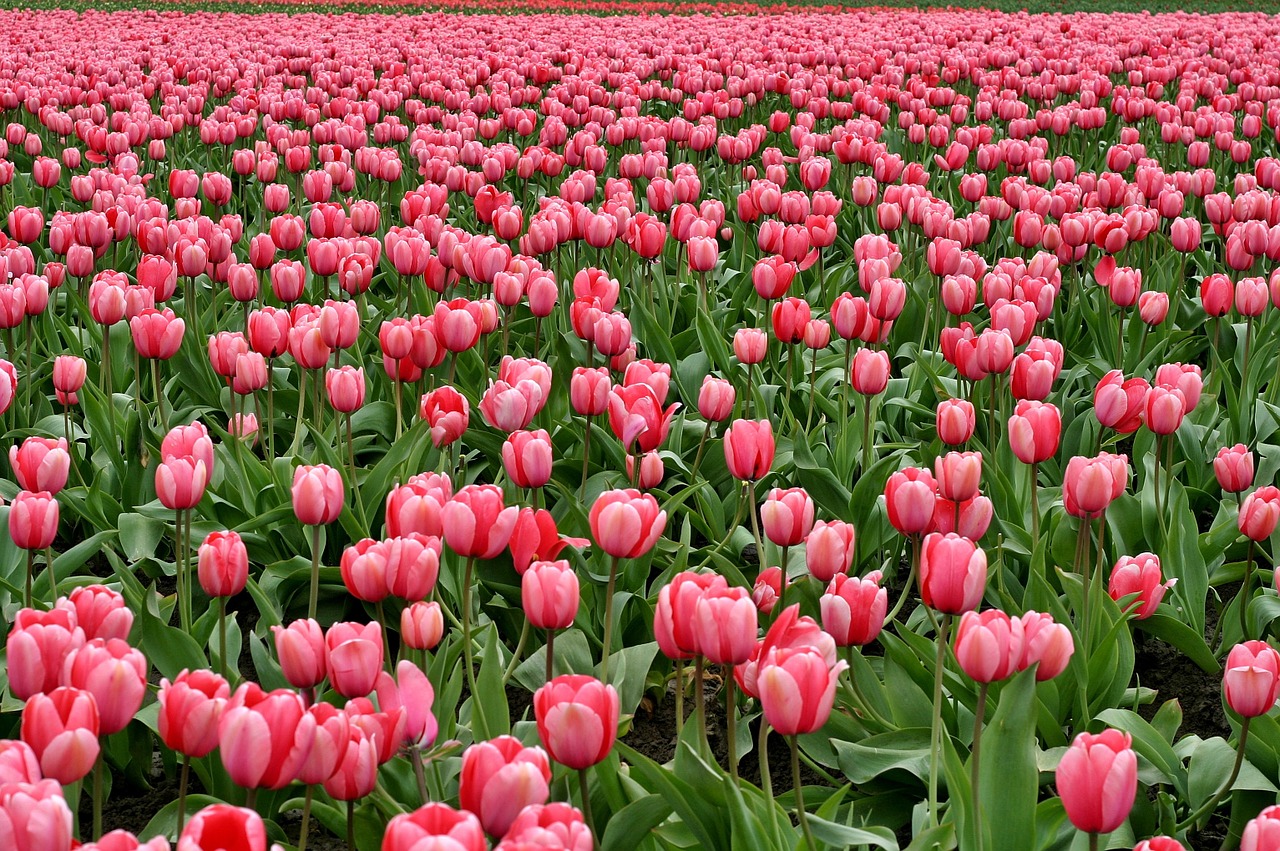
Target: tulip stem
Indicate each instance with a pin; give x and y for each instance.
(935, 735)
(911, 575)
(766, 779)
(97, 798)
(302, 409)
(31, 566)
(519, 651)
(551, 655)
(586, 806)
(351, 825)
(1243, 595)
(974, 777)
(466, 634)
(305, 828)
(755, 525)
(697, 459)
(608, 617)
(730, 710)
(159, 390)
(222, 635)
(586, 458)
(419, 775)
(700, 702)
(183, 779)
(1212, 804)
(679, 672)
(1093, 842)
(1035, 507)
(801, 816)
(315, 572)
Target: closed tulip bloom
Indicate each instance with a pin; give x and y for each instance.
(910, 496)
(114, 673)
(222, 827)
(1259, 513)
(1164, 410)
(1139, 575)
(41, 464)
(554, 825)
(549, 594)
(1250, 678)
(421, 625)
(37, 646)
(829, 549)
(956, 420)
(123, 840)
(354, 657)
(989, 645)
(318, 494)
(1217, 294)
(725, 625)
(434, 826)
(180, 482)
(626, 523)
(415, 506)
(264, 737)
(958, 475)
(34, 816)
(1091, 484)
(787, 516)
(157, 333)
(535, 537)
(301, 650)
(750, 345)
(715, 399)
(577, 719)
(33, 520)
(1035, 430)
(1233, 467)
(69, 374)
(356, 774)
(476, 523)
(1263, 832)
(62, 729)
(1046, 644)
(447, 412)
(500, 778)
(223, 564)
(853, 609)
(797, 689)
(1159, 843)
(953, 573)
(749, 449)
(332, 733)
(1153, 307)
(869, 373)
(190, 708)
(527, 458)
(346, 387)
(1098, 780)
(589, 391)
(1119, 404)
(99, 611)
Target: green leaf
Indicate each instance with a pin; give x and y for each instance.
(902, 750)
(1210, 766)
(634, 820)
(139, 535)
(169, 649)
(1008, 774)
(1183, 637)
(489, 713)
(1149, 744)
(843, 836)
(165, 822)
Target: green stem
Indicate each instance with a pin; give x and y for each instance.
(766, 779)
(700, 701)
(466, 631)
(1243, 596)
(911, 575)
(314, 598)
(222, 635)
(608, 618)
(679, 673)
(97, 798)
(730, 710)
(551, 654)
(1212, 804)
(586, 459)
(801, 815)
(935, 736)
(351, 825)
(183, 779)
(306, 818)
(974, 775)
(519, 651)
(31, 562)
(419, 774)
(585, 792)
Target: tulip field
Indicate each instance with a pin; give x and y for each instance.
(613, 426)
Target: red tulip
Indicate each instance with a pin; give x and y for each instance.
(1263, 832)
(554, 825)
(500, 778)
(853, 610)
(637, 417)
(99, 611)
(1034, 431)
(447, 412)
(626, 523)
(527, 458)
(62, 729)
(953, 573)
(476, 523)
(264, 737)
(190, 709)
(749, 449)
(1098, 780)
(1119, 404)
(223, 564)
(910, 496)
(870, 372)
(577, 719)
(434, 826)
(222, 827)
(1250, 678)
(346, 388)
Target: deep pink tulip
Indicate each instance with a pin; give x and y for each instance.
(953, 573)
(1098, 780)
(500, 778)
(318, 494)
(301, 649)
(190, 709)
(41, 464)
(62, 729)
(1250, 678)
(577, 719)
(354, 657)
(264, 737)
(626, 523)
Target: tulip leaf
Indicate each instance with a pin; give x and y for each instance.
(634, 820)
(1008, 775)
(843, 836)
(139, 535)
(1149, 744)
(169, 649)
(490, 716)
(902, 750)
(165, 822)
(1210, 768)
(1183, 637)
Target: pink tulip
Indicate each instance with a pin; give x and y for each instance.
(1098, 780)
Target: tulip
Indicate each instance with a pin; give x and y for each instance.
(409, 694)
(1119, 404)
(447, 412)
(1098, 780)
(34, 816)
(749, 449)
(750, 345)
(318, 497)
(535, 537)
(300, 648)
(190, 708)
(830, 549)
(357, 770)
(223, 564)
(62, 729)
(353, 657)
(264, 737)
(1139, 575)
(434, 826)
(1259, 513)
(989, 646)
(1250, 678)
(416, 505)
(41, 464)
(222, 827)
(853, 610)
(1046, 644)
(554, 825)
(421, 625)
(36, 648)
(1091, 484)
(953, 573)
(958, 475)
(68, 377)
(114, 673)
(18, 763)
(549, 595)
(99, 611)
(955, 421)
(1263, 832)
(638, 419)
(527, 458)
(910, 495)
(1233, 467)
(625, 524)
(500, 778)
(577, 718)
